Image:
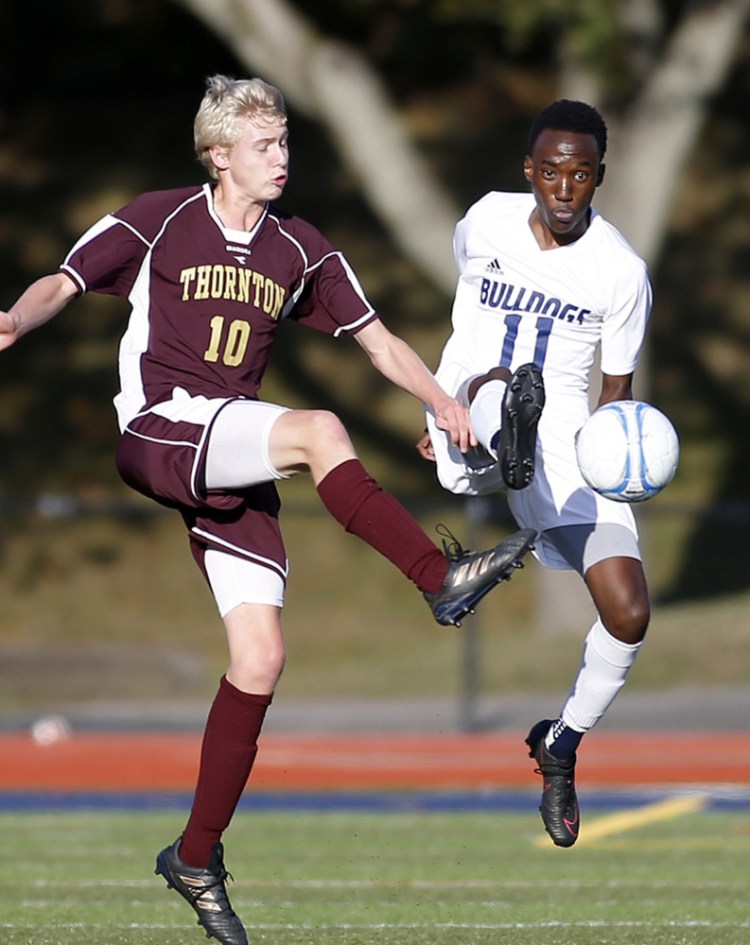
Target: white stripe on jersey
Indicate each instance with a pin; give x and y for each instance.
(353, 281)
(134, 341)
(242, 552)
(101, 226)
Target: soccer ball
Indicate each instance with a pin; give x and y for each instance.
(627, 451)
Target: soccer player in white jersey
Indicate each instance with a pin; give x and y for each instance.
(210, 271)
(545, 281)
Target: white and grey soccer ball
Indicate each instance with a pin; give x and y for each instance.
(628, 451)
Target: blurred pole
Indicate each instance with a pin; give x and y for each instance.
(477, 509)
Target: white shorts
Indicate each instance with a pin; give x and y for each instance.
(237, 456)
(558, 495)
(235, 581)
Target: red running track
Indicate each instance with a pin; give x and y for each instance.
(166, 761)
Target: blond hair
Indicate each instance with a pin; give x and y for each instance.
(226, 106)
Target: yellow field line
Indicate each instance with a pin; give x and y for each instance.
(633, 819)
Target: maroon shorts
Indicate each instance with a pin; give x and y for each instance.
(164, 460)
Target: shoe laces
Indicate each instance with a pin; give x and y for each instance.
(452, 547)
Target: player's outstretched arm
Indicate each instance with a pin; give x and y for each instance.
(39, 303)
(397, 361)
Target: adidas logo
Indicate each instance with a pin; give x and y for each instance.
(494, 266)
(475, 567)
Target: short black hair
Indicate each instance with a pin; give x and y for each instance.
(567, 115)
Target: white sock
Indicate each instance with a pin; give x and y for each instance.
(486, 413)
(604, 668)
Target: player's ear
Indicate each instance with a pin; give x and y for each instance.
(600, 174)
(528, 169)
(220, 157)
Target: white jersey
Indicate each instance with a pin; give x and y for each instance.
(516, 303)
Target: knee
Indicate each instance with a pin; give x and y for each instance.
(256, 648)
(258, 671)
(324, 432)
(326, 443)
(325, 426)
(272, 665)
(629, 621)
(497, 373)
(620, 593)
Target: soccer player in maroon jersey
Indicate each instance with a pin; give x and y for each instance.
(209, 272)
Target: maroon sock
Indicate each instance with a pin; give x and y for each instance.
(230, 744)
(356, 500)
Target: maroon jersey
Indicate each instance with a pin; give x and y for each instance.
(207, 300)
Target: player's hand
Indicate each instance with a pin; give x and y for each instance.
(453, 417)
(8, 330)
(425, 448)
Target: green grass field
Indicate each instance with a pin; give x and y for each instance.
(391, 879)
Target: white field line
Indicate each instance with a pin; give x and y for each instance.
(484, 884)
(346, 926)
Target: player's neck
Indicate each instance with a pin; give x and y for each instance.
(235, 212)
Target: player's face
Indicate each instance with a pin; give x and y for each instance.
(564, 170)
(258, 165)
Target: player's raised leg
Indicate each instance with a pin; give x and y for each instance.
(317, 441)
(522, 409)
(505, 412)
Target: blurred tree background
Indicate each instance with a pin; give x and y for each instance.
(97, 104)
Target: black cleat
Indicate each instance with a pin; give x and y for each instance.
(473, 575)
(559, 805)
(522, 407)
(205, 890)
